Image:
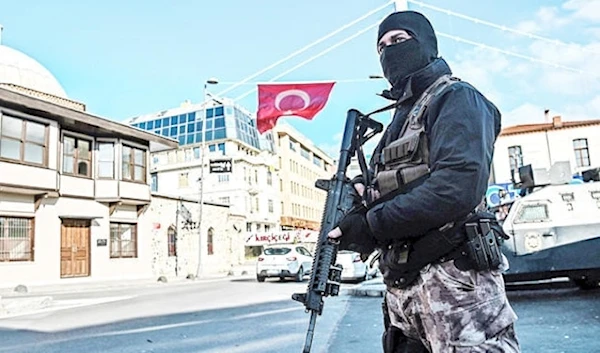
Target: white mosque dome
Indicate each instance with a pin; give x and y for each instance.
(19, 69)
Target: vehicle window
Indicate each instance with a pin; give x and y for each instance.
(306, 252)
(277, 251)
(533, 213)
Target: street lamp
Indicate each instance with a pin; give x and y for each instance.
(210, 81)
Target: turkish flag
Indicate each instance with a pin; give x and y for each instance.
(291, 99)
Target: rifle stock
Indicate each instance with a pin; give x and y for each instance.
(325, 276)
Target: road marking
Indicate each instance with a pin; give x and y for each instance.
(57, 305)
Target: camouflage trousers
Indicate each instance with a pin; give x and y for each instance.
(451, 310)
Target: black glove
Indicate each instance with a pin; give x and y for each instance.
(356, 234)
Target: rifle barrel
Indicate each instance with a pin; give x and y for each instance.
(310, 332)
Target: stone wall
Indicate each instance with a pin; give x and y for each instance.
(227, 243)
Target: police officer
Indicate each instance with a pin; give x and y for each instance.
(431, 170)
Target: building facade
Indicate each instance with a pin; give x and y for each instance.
(72, 189)
(542, 145)
(173, 227)
(75, 194)
(301, 163)
(221, 158)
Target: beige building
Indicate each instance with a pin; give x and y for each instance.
(301, 163)
(544, 144)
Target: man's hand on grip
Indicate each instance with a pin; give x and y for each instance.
(353, 232)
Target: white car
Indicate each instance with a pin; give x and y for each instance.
(353, 268)
(284, 260)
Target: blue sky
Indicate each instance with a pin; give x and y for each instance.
(126, 58)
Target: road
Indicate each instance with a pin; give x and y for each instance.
(241, 315)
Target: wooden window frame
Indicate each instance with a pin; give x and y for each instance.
(171, 242)
(99, 160)
(131, 164)
(518, 159)
(580, 161)
(210, 246)
(31, 234)
(134, 228)
(76, 158)
(23, 141)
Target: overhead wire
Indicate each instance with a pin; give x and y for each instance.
(503, 27)
(305, 48)
(312, 58)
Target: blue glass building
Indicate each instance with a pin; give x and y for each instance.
(223, 121)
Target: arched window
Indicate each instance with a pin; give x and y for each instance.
(209, 241)
(172, 241)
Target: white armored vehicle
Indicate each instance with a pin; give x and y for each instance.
(554, 227)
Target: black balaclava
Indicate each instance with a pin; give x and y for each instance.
(399, 61)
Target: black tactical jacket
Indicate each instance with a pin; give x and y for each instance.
(461, 126)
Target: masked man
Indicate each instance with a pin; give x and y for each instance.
(431, 170)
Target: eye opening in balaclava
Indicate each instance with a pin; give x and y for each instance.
(400, 60)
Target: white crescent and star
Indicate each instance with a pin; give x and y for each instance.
(292, 92)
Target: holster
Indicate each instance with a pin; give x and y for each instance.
(394, 341)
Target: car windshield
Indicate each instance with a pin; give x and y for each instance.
(277, 251)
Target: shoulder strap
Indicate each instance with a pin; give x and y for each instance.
(418, 109)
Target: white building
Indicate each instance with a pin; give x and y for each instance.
(542, 145)
(72, 185)
(75, 194)
(239, 167)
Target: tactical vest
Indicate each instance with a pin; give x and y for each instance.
(407, 158)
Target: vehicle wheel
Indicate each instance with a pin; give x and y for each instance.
(587, 283)
(260, 278)
(300, 275)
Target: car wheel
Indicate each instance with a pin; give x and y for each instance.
(300, 275)
(587, 283)
(260, 278)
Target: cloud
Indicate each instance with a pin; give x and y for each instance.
(545, 18)
(527, 113)
(577, 71)
(480, 67)
(332, 148)
(594, 32)
(584, 9)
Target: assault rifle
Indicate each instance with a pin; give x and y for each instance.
(326, 275)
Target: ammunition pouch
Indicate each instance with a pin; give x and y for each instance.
(481, 251)
(472, 243)
(404, 160)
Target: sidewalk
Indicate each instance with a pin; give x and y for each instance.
(371, 288)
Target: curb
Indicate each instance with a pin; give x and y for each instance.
(12, 306)
(366, 292)
(370, 288)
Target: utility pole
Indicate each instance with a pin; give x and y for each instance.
(176, 236)
(401, 5)
(211, 81)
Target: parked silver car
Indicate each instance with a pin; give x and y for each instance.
(283, 261)
(354, 269)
